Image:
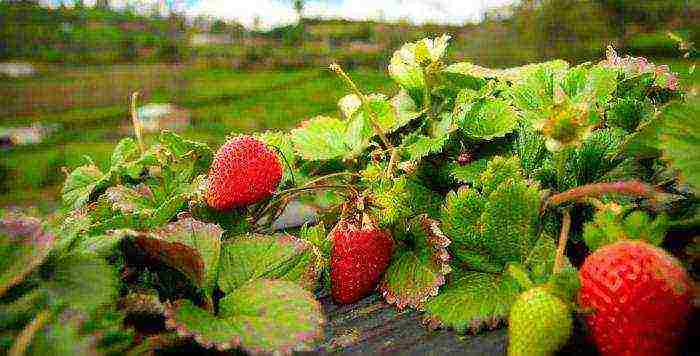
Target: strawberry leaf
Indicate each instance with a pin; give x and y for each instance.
(416, 273)
(104, 245)
(137, 200)
(189, 246)
(263, 316)
(540, 260)
(601, 83)
(533, 92)
(613, 223)
(509, 221)
(283, 148)
(468, 173)
(320, 138)
(406, 65)
(487, 119)
(401, 199)
(24, 245)
(679, 140)
(469, 70)
(197, 153)
(460, 221)
(391, 114)
(82, 183)
(252, 257)
(497, 225)
(498, 170)
(471, 301)
(418, 147)
(126, 151)
(81, 282)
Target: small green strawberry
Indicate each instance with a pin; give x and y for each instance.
(539, 324)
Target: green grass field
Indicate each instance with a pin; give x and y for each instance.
(91, 107)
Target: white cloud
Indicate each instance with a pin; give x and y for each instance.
(278, 12)
(271, 13)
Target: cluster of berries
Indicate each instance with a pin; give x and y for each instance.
(246, 171)
(636, 296)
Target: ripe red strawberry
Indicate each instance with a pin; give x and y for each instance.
(359, 257)
(245, 171)
(639, 298)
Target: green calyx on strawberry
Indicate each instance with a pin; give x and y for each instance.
(360, 254)
(638, 297)
(245, 171)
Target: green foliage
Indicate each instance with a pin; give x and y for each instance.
(189, 246)
(679, 139)
(468, 173)
(66, 292)
(614, 223)
(472, 300)
(596, 158)
(469, 151)
(284, 149)
(417, 269)
(24, 245)
(253, 257)
(140, 190)
(401, 199)
(81, 184)
(495, 223)
(407, 64)
(262, 316)
(486, 118)
(390, 114)
(321, 138)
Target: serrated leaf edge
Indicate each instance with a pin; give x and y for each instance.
(438, 242)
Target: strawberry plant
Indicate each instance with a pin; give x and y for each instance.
(471, 195)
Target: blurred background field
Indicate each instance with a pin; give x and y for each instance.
(66, 72)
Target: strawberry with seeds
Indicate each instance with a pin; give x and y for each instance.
(359, 257)
(245, 171)
(639, 298)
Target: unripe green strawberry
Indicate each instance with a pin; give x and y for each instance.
(539, 324)
(245, 171)
(638, 298)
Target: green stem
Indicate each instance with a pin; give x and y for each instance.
(374, 121)
(427, 102)
(136, 122)
(289, 193)
(25, 337)
(563, 238)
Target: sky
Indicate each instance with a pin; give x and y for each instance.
(272, 13)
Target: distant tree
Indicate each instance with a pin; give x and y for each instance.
(299, 8)
(219, 26)
(650, 13)
(102, 4)
(257, 23)
(298, 33)
(569, 29)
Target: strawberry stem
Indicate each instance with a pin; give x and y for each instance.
(563, 237)
(631, 188)
(285, 196)
(374, 121)
(138, 129)
(25, 337)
